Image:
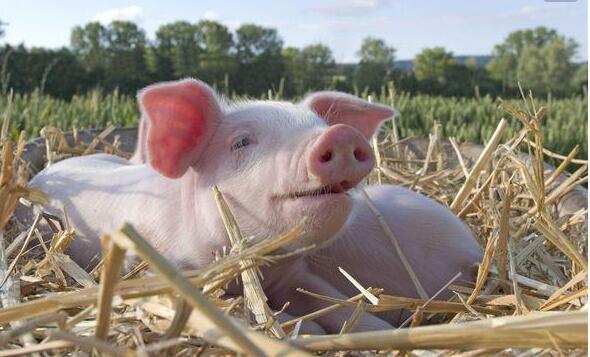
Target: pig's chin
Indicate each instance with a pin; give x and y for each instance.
(324, 214)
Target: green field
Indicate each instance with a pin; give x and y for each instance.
(468, 119)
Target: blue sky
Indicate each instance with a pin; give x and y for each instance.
(464, 27)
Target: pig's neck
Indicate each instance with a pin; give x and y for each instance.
(199, 233)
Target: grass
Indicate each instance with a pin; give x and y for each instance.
(467, 119)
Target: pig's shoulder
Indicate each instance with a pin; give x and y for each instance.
(401, 201)
(412, 217)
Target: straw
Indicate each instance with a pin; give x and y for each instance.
(569, 330)
(131, 240)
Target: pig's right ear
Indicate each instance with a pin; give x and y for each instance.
(183, 116)
(342, 108)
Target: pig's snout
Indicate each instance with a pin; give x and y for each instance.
(341, 155)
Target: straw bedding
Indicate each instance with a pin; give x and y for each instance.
(529, 298)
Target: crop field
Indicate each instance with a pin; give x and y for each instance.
(468, 119)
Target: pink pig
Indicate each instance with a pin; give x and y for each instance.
(276, 163)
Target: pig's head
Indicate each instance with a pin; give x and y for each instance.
(278, 164)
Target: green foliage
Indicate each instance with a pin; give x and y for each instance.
(539, 58)
(311, 68)
(580, 77)
(56, 72)
(216, 61)
(89, 44)
(375, 50)
(434, 64)
(260, 63)
(438, 72)
(114, 56)
(176, 50)
(376, 64)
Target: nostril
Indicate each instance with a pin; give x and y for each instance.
(327, 156)
(360, 154)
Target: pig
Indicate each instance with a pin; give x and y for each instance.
(278, 165)
(437, 244)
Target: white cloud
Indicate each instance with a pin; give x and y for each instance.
(211, 15)
(132, 13)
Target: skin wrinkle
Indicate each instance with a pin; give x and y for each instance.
(188, 205)
(305, 153)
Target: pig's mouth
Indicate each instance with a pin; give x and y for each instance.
(331, 189)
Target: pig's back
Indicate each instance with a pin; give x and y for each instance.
(435, 242)
(101, 192)
(95, 177)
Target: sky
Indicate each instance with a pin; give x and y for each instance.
(464, 27)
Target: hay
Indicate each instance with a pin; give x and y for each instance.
(529, 298)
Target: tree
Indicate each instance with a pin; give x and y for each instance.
(433, 64)
(254, 41)
(580, 77)
(56, 72)
(311, 68)
(376, 50)
(479, 79)
(558, 66)
(126, 66)
(2, 24)
(293, 74)
(438, 72)
(530, 69)
(540, 58)
(319, 65)
(114, 56)
(376, 64)
(216, 61)
(89, 44)
(177, 50)
(260, 64)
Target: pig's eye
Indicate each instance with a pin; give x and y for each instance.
(241, 142)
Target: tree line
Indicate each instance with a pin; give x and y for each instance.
(253, 60)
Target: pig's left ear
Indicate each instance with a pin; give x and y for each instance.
(183, 116)
(342, 108)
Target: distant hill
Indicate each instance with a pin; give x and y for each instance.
(408, 65)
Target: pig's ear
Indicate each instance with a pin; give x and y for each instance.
(182, 118)
(342, 108)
